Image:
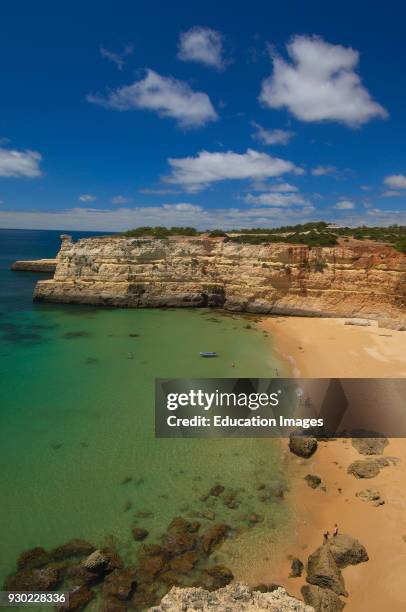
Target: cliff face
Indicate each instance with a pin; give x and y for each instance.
(365, 280)
(236, 597)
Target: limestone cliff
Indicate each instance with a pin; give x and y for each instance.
(367, 280)
(236, 597)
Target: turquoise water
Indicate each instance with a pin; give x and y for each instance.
(76, 418)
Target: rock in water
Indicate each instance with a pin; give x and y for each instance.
(213, 537)
(218, 576)
(45, 579)
(323, 571)
(73, 548)
(118, 584)
(370, 446)
(33, 558)
(139, 533)
(236, 597)
(347, 550)
(78, 599)
(103, 561)
(303, 446)
(322, 600)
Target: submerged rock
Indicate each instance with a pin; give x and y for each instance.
(78, 599)
(303, 446)
(217, 577)
(119, 584)
(322, 600)
(323, 571)
(236, 597)
(139, 533)
(213, 537)
(216, 490)
(347, 550)
(44, 579)
(33, 558)
(73, 548)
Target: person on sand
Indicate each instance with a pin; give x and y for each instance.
(326, 535)
(335, 532)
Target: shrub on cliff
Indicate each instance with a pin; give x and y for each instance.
(400, 245)
(161, 232)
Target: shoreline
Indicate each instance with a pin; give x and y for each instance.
(328, 348)
(322, 348)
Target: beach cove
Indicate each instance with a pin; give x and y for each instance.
(77, 422)
(317, 347)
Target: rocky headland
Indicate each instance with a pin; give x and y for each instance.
(34, 265)
(367, 280)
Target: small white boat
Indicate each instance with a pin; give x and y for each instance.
(208, 354)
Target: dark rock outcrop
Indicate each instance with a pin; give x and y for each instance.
(78, 599)
(323, 571)
(322, 600)
(347, 550)
(369, 468)
(313, 481)
(103, 561)
(370, 446)
(33, 558)
(44, 579)
(296, 568)
(303, 446)
(139, 533)
(73, 548)
(213, 537)
(372, 496)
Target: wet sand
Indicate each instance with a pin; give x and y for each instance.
(328, 348)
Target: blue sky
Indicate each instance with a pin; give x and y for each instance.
(121, 114)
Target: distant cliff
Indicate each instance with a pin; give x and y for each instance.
(367, 280)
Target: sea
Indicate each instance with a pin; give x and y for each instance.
(78, 454)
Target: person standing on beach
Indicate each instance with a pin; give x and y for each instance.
(335, 532)
(326, 535)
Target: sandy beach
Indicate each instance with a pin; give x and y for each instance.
(328, 348)
(322, 347)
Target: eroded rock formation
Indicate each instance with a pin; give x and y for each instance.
(236, 597)
(366, 280)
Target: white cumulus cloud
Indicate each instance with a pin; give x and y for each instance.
(202, 45)
(87, 197)
(320, 83)
(323, 170)
(271, 137)
(19, 164)
(283, 188)
(396, 181)
(196, 173)
(165, 95)
(344, 205)
(276, 199)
